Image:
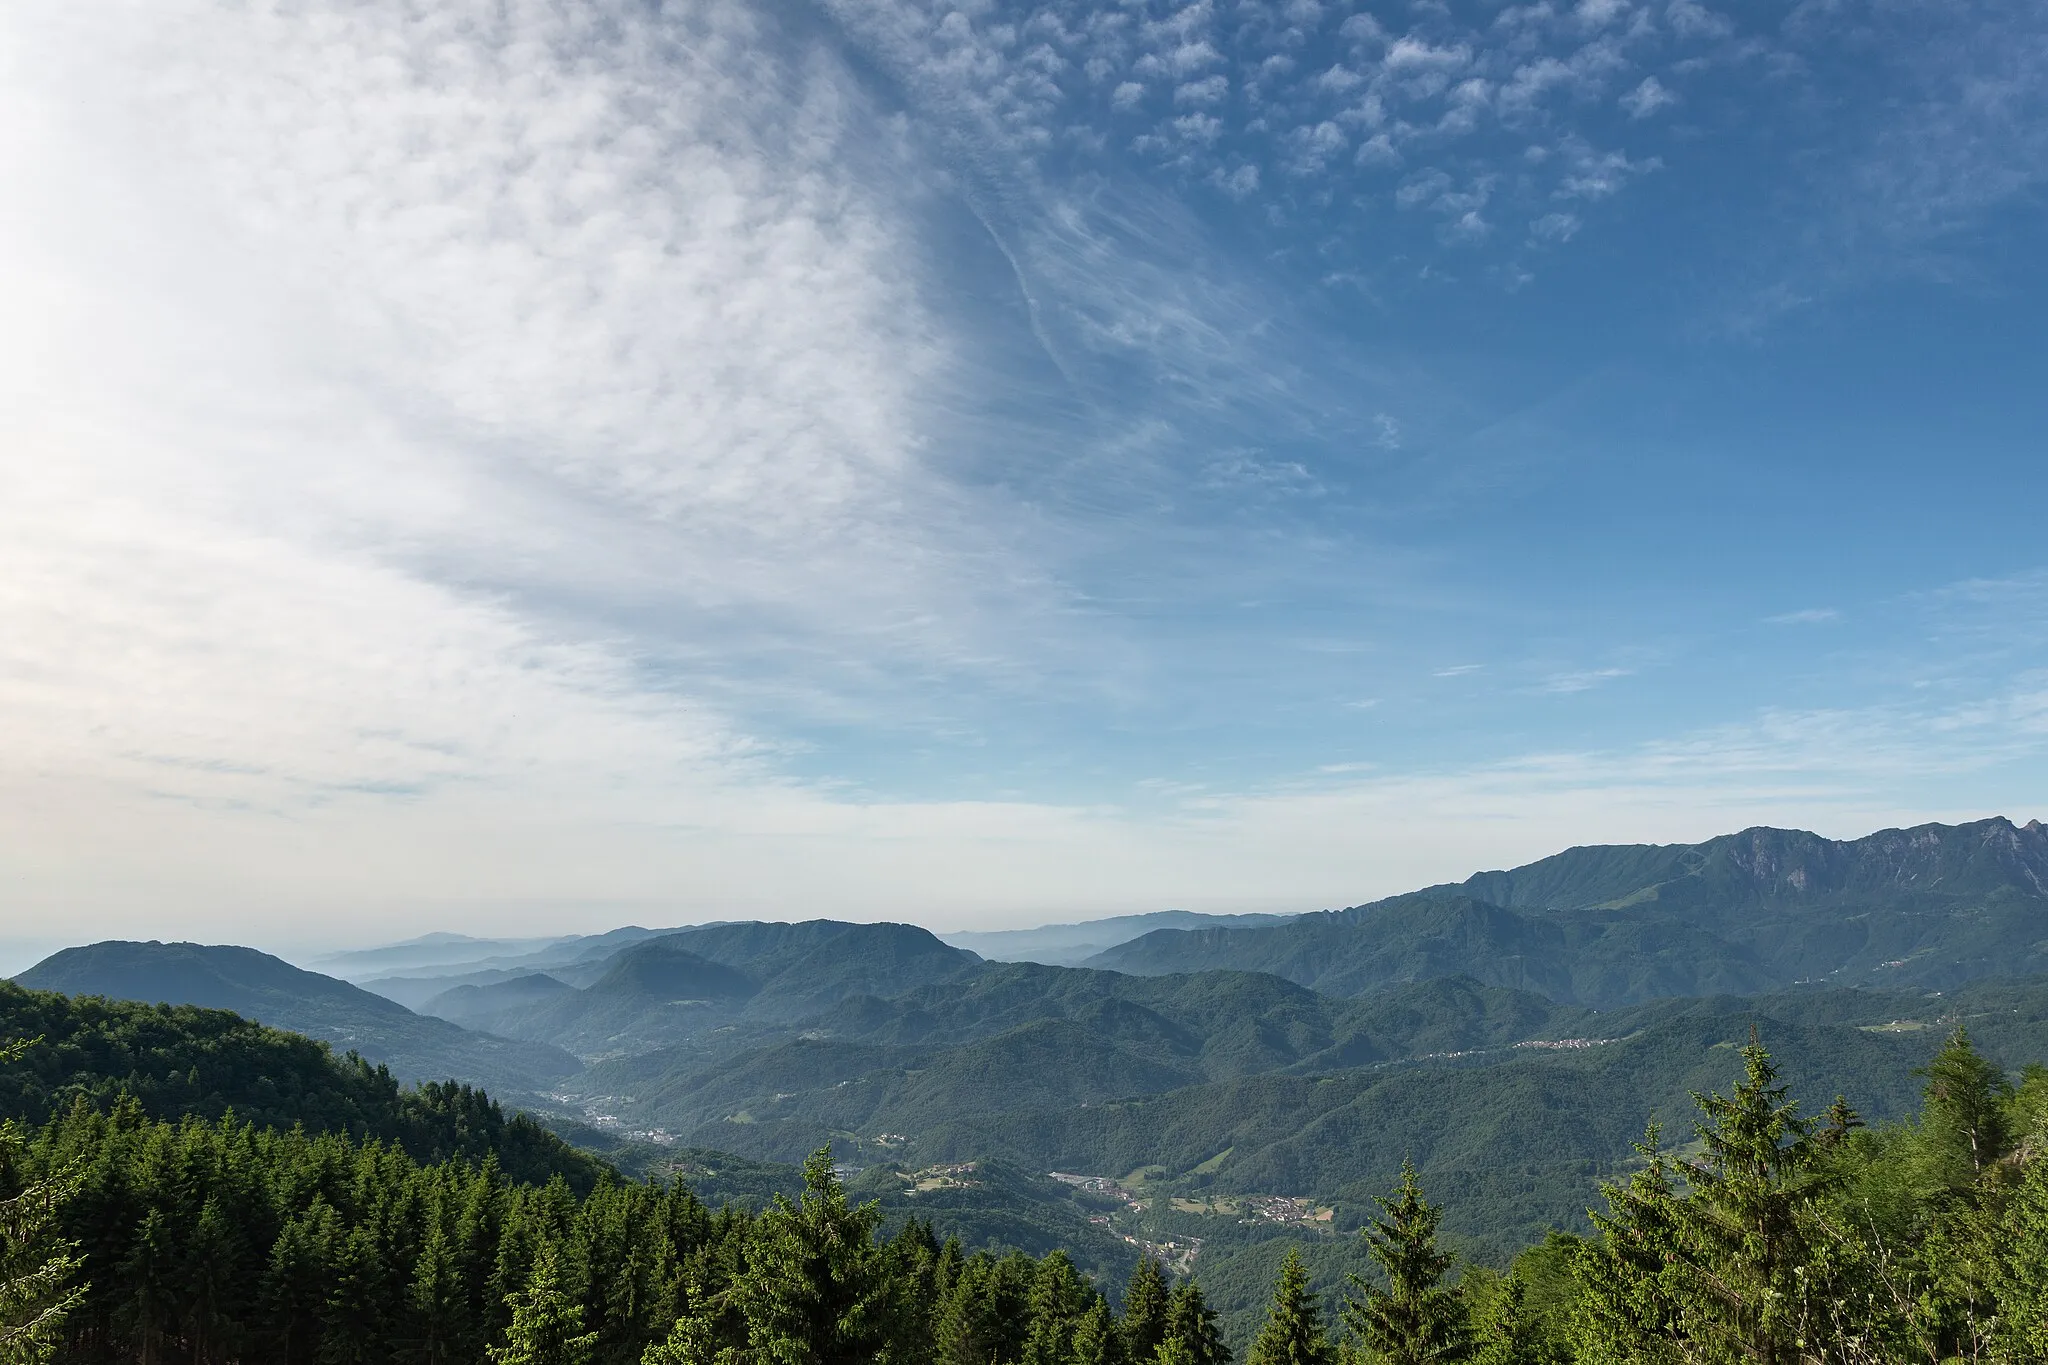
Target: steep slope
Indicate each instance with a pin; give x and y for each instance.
(1935, 906)
(261, 987)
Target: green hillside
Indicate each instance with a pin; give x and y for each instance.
(1933, 906)
(1525, 1128)
(175, 1061)
(265, 988)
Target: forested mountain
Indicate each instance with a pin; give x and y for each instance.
(1784, 1234)
(1237, 1084)
(1509, 1035)
(261, 987)
(680, 987)
(172, 1062)
(1932, 906)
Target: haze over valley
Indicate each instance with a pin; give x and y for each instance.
(1041, 682)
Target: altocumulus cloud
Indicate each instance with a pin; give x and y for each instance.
(433, 428)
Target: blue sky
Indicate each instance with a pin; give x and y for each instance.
(482, 467)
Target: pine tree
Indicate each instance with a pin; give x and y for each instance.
(1501, 1332)
(547, 1324)
(36, 1268)
(1294, 1332)
(1144, 1320)
(1416, 1319)
(816, 1288)
(1743, 1266)
(1058, 1301)
(1191, 1331)
(1963, 1118)
(1096, 1339)
(437, 1306)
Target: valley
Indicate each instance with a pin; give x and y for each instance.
(1206, 1095)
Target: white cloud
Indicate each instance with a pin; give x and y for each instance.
(1811, 616)
(1414, 54)
(1647, 98)
(1582, 680)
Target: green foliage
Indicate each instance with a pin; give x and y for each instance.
(258, 986)
(1964, 1116)
(1744, 1266)
(1415, 1318)
(546, 1322)
(37, 1268)
(1294, 1332)
(1145, 1301)
(170, 1061)
(1192, 1335)
(816, 1288)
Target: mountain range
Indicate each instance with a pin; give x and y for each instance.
(1932, 906)
(1511, 1033)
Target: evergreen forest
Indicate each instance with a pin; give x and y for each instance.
(1767, 1232)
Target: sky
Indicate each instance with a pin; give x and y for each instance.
(506, 467)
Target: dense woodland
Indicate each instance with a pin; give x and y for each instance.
(1767, 1235)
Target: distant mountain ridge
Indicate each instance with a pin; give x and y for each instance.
(270, 990)
(1068, 945)
(669, 990)
(1935, 905)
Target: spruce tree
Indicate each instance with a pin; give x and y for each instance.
(967, 1329)
(547, 1324)
(1096, 1339)
(1501, 1332)
(1294, 1332)
(1144, 1320)
(1743, 1266)
(1416, 1319)
(36, 1267)
(1192, 1335)
(1962, 1118)
(1058, 1301)
(816, 1288)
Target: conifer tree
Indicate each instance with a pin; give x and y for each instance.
(1191, 1331)
(816, 1288)
(294, 1288)
(36, 1268)
(1963, 1113)
(547, 1324)
(1144, 1320)
(437, 1306)
(1058, 1301)
(967, 1330)
(146, 1288)
(1416, 1319)
(1096, 1338)
(1501, 1333)
(1742, 1267)
(1294, 1332)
